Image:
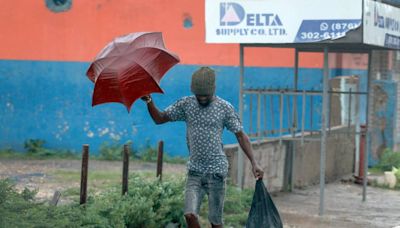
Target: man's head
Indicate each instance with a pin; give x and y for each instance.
(203, 85)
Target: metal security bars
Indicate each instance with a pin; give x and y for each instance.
(262, 115)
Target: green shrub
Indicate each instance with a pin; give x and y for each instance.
(35, 147)
(113, 151)
(110, 151)
(396, 172)
(148, 153)
(149, 203)
(16, 209)
(388, 160)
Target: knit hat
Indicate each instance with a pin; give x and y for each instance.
(203, 81)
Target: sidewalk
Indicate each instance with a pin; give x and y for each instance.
(343, 207)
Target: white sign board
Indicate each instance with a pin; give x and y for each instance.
(381, 24)
(280, 21)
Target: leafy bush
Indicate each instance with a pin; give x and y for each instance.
(396, 172)
(148, 153)
(35, 147)
(149, 203)
(110, 151)
(388, 160)
(16, 208)
(113, 151)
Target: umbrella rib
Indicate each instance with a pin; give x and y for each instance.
(108, 64)
(146, 72)
(149, 74)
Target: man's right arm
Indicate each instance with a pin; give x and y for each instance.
(157, 116)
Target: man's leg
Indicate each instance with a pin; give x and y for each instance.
(216, 197)
(194, 194)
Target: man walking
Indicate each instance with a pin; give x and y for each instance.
(206, 115)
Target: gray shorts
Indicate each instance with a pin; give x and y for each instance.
(212, 184)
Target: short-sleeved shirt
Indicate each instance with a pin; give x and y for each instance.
(204, 127)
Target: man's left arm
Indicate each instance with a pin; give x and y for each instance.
(245, 144)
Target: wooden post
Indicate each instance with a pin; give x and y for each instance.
(160, 159)
(125, 169)
(84, 173)
(55, 199)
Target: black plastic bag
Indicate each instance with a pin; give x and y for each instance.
(263, 212)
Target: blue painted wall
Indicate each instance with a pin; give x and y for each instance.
(52, 101)
(384, 119)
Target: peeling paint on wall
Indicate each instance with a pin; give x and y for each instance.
(10, 106)
(187, 21)
(86, 129)
(58, 6)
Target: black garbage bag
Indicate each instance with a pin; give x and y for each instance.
(263, 212)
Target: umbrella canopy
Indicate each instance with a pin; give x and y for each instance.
(130, 67)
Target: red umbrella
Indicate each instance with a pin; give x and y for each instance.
(130, 67)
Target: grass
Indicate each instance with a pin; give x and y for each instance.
(35, 150)
(375, 171)
(67, 175)
(55, 154)
(97, 180)
(100, 177)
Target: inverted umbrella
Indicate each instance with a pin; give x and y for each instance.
(130, 67)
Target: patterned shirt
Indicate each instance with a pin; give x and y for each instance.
(204, 127)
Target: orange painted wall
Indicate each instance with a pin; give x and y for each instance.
(30, 31)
